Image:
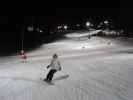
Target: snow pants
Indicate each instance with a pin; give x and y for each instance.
(50, 75)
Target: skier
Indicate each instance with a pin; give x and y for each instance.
(23, 55)
(54, 67)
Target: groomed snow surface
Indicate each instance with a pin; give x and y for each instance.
(92, 69)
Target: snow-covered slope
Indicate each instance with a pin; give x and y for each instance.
(98, 69)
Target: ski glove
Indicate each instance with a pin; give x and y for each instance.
(48, 66)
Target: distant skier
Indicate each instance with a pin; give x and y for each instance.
(89, 36)
(23, 55)
(55, 66)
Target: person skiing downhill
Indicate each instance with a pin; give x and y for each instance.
(23, 56)
(54, 67)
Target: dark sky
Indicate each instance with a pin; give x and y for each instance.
(87, 11)
(62, 14)
(52, 16)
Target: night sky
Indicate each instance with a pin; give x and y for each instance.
(53, 16)
(57, 15)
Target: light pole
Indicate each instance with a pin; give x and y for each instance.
(65, 27)
(88, 24)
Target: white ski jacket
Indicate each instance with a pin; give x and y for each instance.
(55, 64)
